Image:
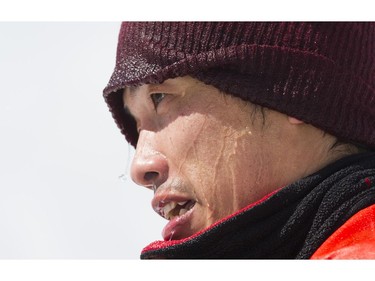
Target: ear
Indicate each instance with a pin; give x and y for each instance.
(294, 121)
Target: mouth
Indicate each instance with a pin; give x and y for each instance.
(179, 211)
(172, 209)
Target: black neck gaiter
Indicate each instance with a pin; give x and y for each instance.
(290, 224)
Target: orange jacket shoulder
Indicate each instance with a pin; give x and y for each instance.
(353, 240)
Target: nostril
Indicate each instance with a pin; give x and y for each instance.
(150, 176)
(149, 168)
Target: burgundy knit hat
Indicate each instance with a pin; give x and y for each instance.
(321, 73)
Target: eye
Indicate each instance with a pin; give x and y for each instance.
(157, 98)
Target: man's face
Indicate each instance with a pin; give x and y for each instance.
(204, 153)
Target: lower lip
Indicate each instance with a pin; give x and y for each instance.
(177, 226)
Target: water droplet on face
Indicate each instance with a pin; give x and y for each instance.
(172, 233)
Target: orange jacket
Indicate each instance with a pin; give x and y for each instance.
(353, 240)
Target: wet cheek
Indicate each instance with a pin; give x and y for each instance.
(205, 154)
(186, 134)
(217, 171)
(237, 173)
(192, 144)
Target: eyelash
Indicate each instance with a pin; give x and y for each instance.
(156, 99)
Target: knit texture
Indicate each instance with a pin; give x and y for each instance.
(321, 73)
(291, 223)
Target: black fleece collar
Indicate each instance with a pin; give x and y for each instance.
(287, 224)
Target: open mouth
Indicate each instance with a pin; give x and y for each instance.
(172, 209)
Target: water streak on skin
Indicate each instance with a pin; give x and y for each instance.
(193, 149)
(199, 175)
(206, 202)
(222, 161)
(188, 151)
(236, 151)
(232, 155)
(218, 162)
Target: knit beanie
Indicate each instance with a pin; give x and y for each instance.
(322, 73)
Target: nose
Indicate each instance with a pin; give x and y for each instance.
(149, 167)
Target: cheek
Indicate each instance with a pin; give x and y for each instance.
(189, 144)
(215, 161)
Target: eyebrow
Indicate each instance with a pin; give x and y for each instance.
(132, 89)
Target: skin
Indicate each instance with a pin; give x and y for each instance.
(199, 144)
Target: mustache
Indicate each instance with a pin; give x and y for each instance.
(174, 185)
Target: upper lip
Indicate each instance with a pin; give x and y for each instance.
(169, 205)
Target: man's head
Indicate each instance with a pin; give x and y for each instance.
(222, 114)
(215, 153)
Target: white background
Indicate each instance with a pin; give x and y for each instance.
(61, 153)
